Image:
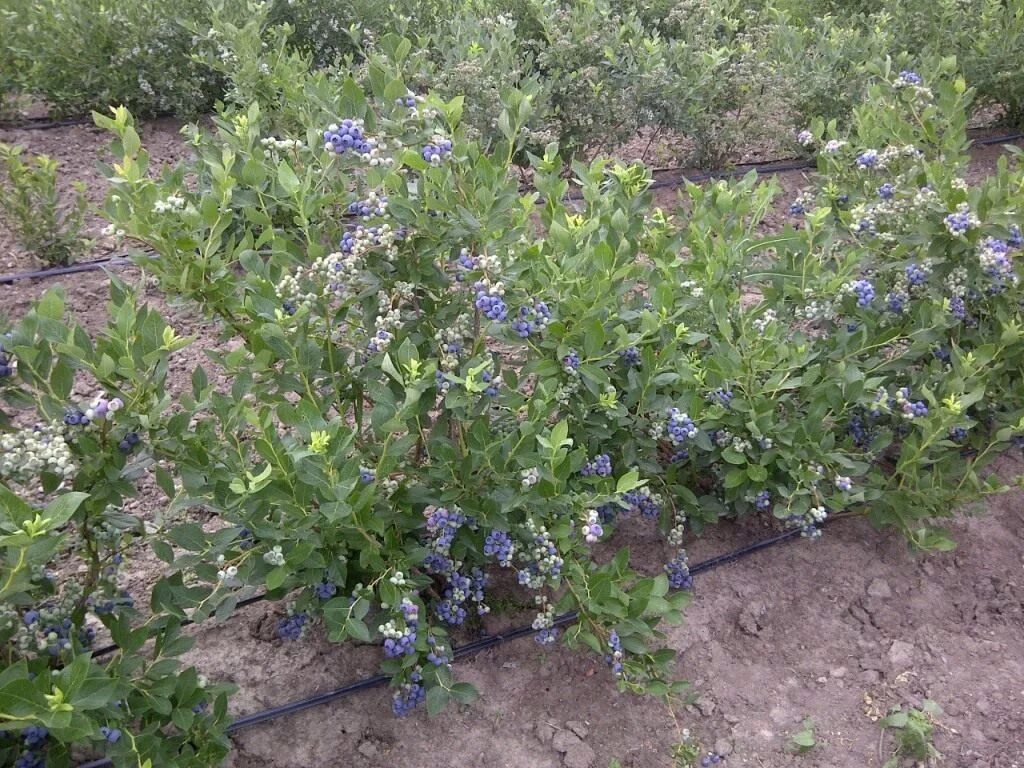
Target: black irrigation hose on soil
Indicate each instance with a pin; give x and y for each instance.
(44, 123)
(106, 650)
(462, 652)
(770, 167)
(49, 123)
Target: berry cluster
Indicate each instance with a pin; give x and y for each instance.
(544, 623)
(500, 546)
(615, 654)
(401, 641)
(868, 159)
(911, 409)
(642, 501)
(809, 523)
(437, 150)
(679, 427)
(348, 136)
(531, 319)
(29, 451)
(961, 221)
(489, 301)
(407, 698)
(373, 205)
(325, 590)
(592, 530)
(630, 357)
(679, 571)
(571, 362)
(34, 739)
(293, 626)
(540, 557)
(863, 290)
(442, 525)
(995, 260)
(601, 465)
(461, 590)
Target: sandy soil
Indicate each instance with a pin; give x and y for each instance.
(837, 630)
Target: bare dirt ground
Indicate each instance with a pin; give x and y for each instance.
(838, 630)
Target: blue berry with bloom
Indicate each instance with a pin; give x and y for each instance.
(571, 362)
(127, 445)
(865, 227)
(367, 475)
(680, 426)
(958, 223)
(498, 545)
(34, 736)
(546, 636)
(941, 353)
(763, 501)
(916, 275)
(73, 417)
(325, 590)
(601, 465)
(679, 571)
(443, 524)
(642, 501)
(112, 735)
(347, 136)
(796, 208)
(615, 653)
(437, 655)
(30, 759)
(292, 627)
(531, 319)
(887, 191)
(896, 301)
(630, 357)
(958, 307)
(492, 384)
(407, 698)
(437, 150)
(868, 159)
(492, 305)
(1015, 240)
(722, 396)
(958, 434)
(907, 77)
(864, 291)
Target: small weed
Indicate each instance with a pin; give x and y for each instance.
(30, 203)
(912, 731)
(803, 741)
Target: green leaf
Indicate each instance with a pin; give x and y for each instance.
(464, 693)
(437, 700)
(287, 179)
(60, 510)
(277, 577)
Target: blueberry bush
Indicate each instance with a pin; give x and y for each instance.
(699, 81)
(440, 393)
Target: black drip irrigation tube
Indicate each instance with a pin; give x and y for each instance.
(50, 123)
(45, 123)
(461, 652)
(106, 650)
(766, 168)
